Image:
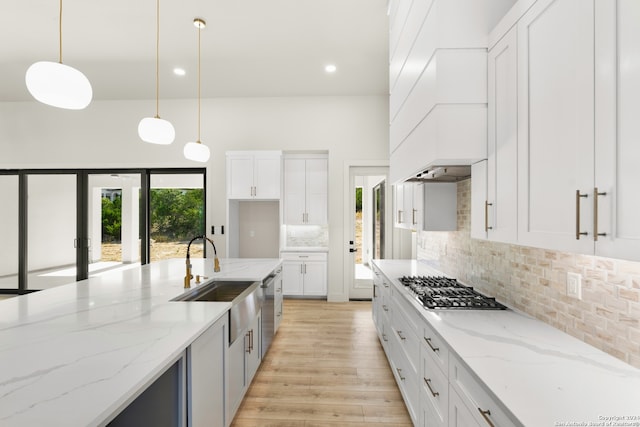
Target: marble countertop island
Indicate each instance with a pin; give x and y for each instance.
(75, 355)
(544, 377)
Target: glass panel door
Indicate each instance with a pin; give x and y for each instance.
(51, 230)
(177, 214)
(113, 220)
(9, 218)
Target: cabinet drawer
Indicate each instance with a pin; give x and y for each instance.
(303, 256)
(406, 378)
(435, 387)
(435, 347)
(407, 338)
(483, 407)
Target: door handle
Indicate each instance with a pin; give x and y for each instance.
(353, 250)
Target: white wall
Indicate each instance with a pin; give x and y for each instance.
(105, 135)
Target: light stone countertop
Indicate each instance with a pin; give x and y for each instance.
(544, 376)
(74, 355)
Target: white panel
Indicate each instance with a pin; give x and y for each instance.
(555, 123)
(239, 177)
(316, 190)
(267, 177)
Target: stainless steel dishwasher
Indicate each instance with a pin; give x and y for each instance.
(268, 312)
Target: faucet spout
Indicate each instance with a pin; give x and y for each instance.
(216, 262)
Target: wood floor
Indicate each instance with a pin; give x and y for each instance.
(325, 367)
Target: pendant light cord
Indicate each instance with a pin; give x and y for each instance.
(199, 31)
(157, 59)
(60, 32)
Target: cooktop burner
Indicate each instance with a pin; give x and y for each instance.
(444, 293)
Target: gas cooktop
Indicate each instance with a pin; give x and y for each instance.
(444, 293)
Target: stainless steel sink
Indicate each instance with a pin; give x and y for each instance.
(246, 300)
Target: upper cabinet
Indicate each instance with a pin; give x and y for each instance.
(572, 125)
(494, 184)
(428, 206)
(253, 175)
(305, 190)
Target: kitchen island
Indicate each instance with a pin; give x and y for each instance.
(528, 372)
(78, 354)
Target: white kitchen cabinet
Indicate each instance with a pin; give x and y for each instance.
(473, 395)
(244, 358)
(206, 376)
(494, 185)
(459, 414)
(409, 212)
(617, 108)
(578, 102)
(277, 299)
(304, 273)
(556, 125)
(305, 190)
(253, 175)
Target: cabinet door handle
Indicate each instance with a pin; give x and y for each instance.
(595, 213)
(400, 374)
(413, 217)
(427, 381)
(384, 337)
(374, 291)
(251, 340)
(385, 308)
(247, 336)
(486, 414)
(400, 335)
(578, 232)
(486, 216)
(434, 349)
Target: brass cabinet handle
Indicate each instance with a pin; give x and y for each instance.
(400, 335)
(427, 381)
(486, 414)
(486, 216)
(578, 232)
(595, 213)
(400, 373)
(428, 340)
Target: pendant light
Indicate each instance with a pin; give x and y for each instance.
(197, 151)
(57, 84)
(154, 129)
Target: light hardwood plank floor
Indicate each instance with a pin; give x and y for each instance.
(325, 368)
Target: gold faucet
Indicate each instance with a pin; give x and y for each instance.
(216, 263)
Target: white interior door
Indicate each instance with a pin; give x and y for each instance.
(361, 238)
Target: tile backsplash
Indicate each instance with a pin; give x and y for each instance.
(534, 281)
(296, 236)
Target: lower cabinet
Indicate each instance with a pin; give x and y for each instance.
(206, 376)
(437, 388)
(277, 300)
(244, 359)
(304, 273)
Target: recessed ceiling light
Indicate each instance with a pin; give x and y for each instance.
(330, 68)
(179, 71)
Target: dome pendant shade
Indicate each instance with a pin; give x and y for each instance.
(58, 85)
(196, 151)
(156, 131)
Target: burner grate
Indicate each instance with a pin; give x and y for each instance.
(444, 293)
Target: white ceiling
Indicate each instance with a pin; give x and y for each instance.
(249, 48)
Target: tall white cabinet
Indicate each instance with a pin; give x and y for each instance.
(578, 103)
(556, 124)
(305, 190)
(495, 180)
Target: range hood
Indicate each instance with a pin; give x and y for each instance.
(442, 174)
